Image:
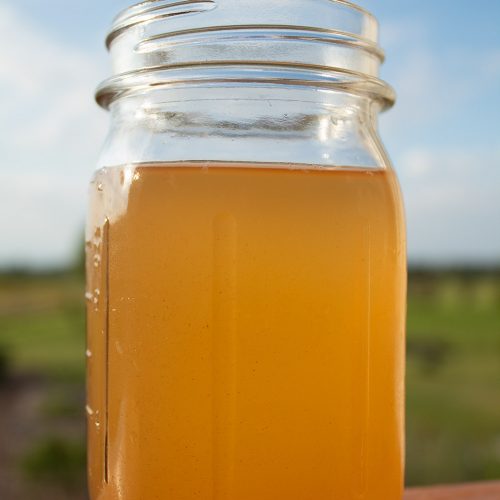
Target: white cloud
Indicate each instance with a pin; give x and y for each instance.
(417, 163)
(41, 220)
(453, 204)
(50, 135)
(452, 191)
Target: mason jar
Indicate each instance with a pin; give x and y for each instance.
(246, 258)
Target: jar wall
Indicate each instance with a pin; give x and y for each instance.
(246, 259)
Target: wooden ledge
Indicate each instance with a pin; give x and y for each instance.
(481, 491)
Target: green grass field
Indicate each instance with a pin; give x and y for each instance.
(42, 325)
(453, 378)
(453, 381)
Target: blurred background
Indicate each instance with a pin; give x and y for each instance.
(443, 58)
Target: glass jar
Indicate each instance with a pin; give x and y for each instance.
(246, 259)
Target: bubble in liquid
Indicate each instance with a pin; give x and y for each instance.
(97, 260)
(89, 296)
(119, 348)
(100, 187)
(88, 353)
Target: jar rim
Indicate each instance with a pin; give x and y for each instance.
(133, 15)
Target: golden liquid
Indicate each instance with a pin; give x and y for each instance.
(246, 334)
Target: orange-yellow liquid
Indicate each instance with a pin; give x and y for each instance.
(246, 333)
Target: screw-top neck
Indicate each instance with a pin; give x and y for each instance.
(318, 43)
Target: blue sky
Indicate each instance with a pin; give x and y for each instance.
(443, 58)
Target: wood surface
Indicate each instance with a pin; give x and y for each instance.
(481, 491)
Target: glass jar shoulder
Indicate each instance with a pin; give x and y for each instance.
(290, 126)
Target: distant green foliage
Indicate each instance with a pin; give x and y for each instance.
(430, 353)
(56, 460)
(62, 403)
(453, 375)
(78, 267)
(4, 364)
(47, 334)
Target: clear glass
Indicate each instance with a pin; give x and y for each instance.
(246, 259)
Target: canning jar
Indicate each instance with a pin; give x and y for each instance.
(246, 258)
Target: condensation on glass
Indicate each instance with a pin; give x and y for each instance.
(246, 258)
